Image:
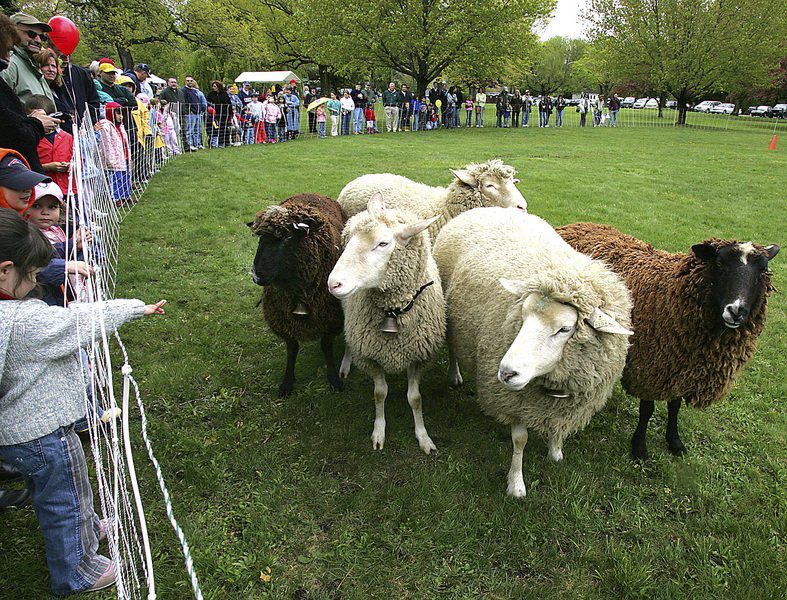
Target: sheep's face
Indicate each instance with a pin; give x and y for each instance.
(276, 260)
(735, 278)
(547, 326)
(363, 262)
(371, 238)
(495, 190)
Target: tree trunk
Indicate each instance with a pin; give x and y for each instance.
(126, 59)
(661, 105)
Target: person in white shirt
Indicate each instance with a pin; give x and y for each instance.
(480, 101)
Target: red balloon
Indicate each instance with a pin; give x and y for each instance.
(64, 34)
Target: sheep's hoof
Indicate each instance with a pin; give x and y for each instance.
(676, 447)
(285, 389)
(427, 445)
(517, 489)
(639, 450)
(555, 455)
(378, 438)
(457, 381)
(336, 384)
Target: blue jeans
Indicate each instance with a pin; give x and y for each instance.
(357, 120)
(479, 117)
(613, 115)
(525, 116)
(248, 134)
(321, 128)
(469, 118)
(416, 120)
(194, 130)
(55, 471)
(559, 119)
(346, 120)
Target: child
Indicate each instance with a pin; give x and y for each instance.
(55, 149)
(115, 151)
(247, 121)
(322, 116)
(42, 398)
(272, 114)
(432, 118)
(17, 182)
(424, 113)
(168, 130)
(282, 122)
(369, 114)
(468, 112)
(44, 215)
(257, 109)
(213, 127)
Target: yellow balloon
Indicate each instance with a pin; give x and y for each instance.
(438, 103)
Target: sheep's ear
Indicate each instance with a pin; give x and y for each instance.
(404, 233)
(376, 205)
(465, 177)
(771, 251)
(601, 321)
(513, 286)
(704, 251)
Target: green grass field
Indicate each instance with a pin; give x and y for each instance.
(294, 485)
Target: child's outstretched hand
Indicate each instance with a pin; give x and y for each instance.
(88, 235)
(155, 309)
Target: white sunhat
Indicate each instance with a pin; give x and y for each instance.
(49, 189)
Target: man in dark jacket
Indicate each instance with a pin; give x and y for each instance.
(79, 83)
(359, 99)
(108, 73)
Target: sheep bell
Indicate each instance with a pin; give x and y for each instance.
(389, 325)
(300, 309)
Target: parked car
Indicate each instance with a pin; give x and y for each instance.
(724, 108)
(646, 103)
(706, 105)
(779, 111)
(628, 102)
(761, 111)
(672, 104)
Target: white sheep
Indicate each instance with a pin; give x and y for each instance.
(386, 271)
(491, 183)
(543, 327)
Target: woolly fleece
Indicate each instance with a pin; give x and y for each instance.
(423, 200)
(679, 348)
(317, 254)
(481, 246)
(422, 329)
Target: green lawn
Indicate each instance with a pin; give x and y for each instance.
(295, 486)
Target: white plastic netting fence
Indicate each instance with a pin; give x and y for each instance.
(101, 194)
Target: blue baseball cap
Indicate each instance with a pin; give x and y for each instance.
(15, 175)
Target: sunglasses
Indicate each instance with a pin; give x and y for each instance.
(35, 34)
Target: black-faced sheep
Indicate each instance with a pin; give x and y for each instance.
(696, 318)
(491, 183)
(543, 328)
(393, 304)
(298, 246)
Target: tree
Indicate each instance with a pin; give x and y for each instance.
(422, 39)
(558, 67)
(688, 48)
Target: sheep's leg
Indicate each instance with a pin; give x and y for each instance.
(454, 375)
(380, 393)
(674, 442)
(347, 361)
(285, 389)
(414, 400)
(516, 484)
(555, 445)
(639, 443)
(326, 343)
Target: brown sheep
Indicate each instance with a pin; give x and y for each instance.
(696, 318)
(298, 246)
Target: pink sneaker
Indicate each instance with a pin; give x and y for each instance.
(106, 580)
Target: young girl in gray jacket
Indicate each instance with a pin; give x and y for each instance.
(41, 396)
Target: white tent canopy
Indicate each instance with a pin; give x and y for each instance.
(267, 77)
(157, 80)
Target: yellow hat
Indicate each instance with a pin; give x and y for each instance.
(123, 79)
(108, 68)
